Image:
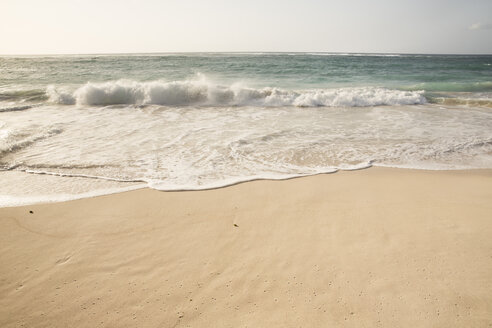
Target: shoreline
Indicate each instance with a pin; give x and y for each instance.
(375, 247)
(138, 185)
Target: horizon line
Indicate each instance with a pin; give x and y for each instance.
(246, 52)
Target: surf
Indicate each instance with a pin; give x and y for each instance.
(206, 93)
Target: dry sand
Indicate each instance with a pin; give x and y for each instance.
(372, 248)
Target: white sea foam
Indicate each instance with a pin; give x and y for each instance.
(203, 92)
(162, 185)
(11, 201)
(59, 152)
(12, 141)
(60, 95)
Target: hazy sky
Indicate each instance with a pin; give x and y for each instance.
(109, 26)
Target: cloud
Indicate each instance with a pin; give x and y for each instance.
(480, 26)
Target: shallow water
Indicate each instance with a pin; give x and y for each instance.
(72, 127)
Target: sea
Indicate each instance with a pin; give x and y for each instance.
(76, 126)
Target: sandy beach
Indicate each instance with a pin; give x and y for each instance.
(371, 248)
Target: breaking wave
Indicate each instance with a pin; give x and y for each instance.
(201, 92)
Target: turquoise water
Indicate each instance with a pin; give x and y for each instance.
(431, 73)
(77, 126)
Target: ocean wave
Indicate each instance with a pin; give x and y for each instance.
(483, 86)
(23, 95)
(202, 92)
(14, 108)
(468, 102)
(13, 141)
